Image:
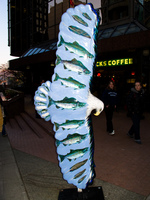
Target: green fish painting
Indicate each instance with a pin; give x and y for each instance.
(81, 179)
(74, 154)
(86, 16)
(79, 20)
(75, 48)
(69, 124)
(73, 65)
(67, 103)
(70, 82)
(79, 174)
(79, 31)
(78, 165)
(71, 139)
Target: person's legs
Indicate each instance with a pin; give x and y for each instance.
(131, 131)
(4, 131)
(107, 118)
(109, 115)
(1, 119)
(137, 127)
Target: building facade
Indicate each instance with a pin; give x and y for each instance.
(123, 40)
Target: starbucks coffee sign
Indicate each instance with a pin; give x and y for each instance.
(115, 62)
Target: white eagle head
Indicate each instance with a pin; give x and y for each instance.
(94, 104)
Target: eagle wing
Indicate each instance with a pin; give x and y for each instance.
(67, 101)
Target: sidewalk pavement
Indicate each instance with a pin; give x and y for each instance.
(27, 177)
(29, 168)
(11, 183)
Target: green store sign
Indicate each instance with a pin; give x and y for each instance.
(116, 62)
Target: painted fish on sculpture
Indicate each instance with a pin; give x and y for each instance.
(79, 31)
(79, 174)
(75, 48)
(79, 20)
(71, 139)
(74, 154)
(86, 16)
(66, 103)
(70, 82)
(73, 65)
(78, 165)
(69, 124)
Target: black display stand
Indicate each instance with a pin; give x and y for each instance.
(91, 193)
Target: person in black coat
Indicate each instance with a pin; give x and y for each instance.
(135, 105)
(109, 97)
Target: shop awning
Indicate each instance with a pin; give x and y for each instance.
(119, 30)
(41, 52)
(42, 48)
(38, 54)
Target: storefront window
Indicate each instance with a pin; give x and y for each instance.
(142, 12)
(50, 6)
(138, 8)
(96, 3)
(113, 1)
(118, 9)
(84, 1)
(55, 11)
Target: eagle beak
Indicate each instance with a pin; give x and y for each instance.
(97, 113)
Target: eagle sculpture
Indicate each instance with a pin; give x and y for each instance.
(67, 100)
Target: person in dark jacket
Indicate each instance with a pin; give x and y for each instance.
(135, 104)
(109, 97)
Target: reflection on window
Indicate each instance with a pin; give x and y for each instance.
(50, 5)
(117, 9)
(84, 1)
(138, 8)
(96, 4)
(141, 2)
(113, 1)
(142, 12)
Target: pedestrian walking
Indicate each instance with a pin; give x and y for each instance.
(109, 97)
(2, 123)
(135, 105)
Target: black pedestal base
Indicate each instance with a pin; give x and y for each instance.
(91, 193)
